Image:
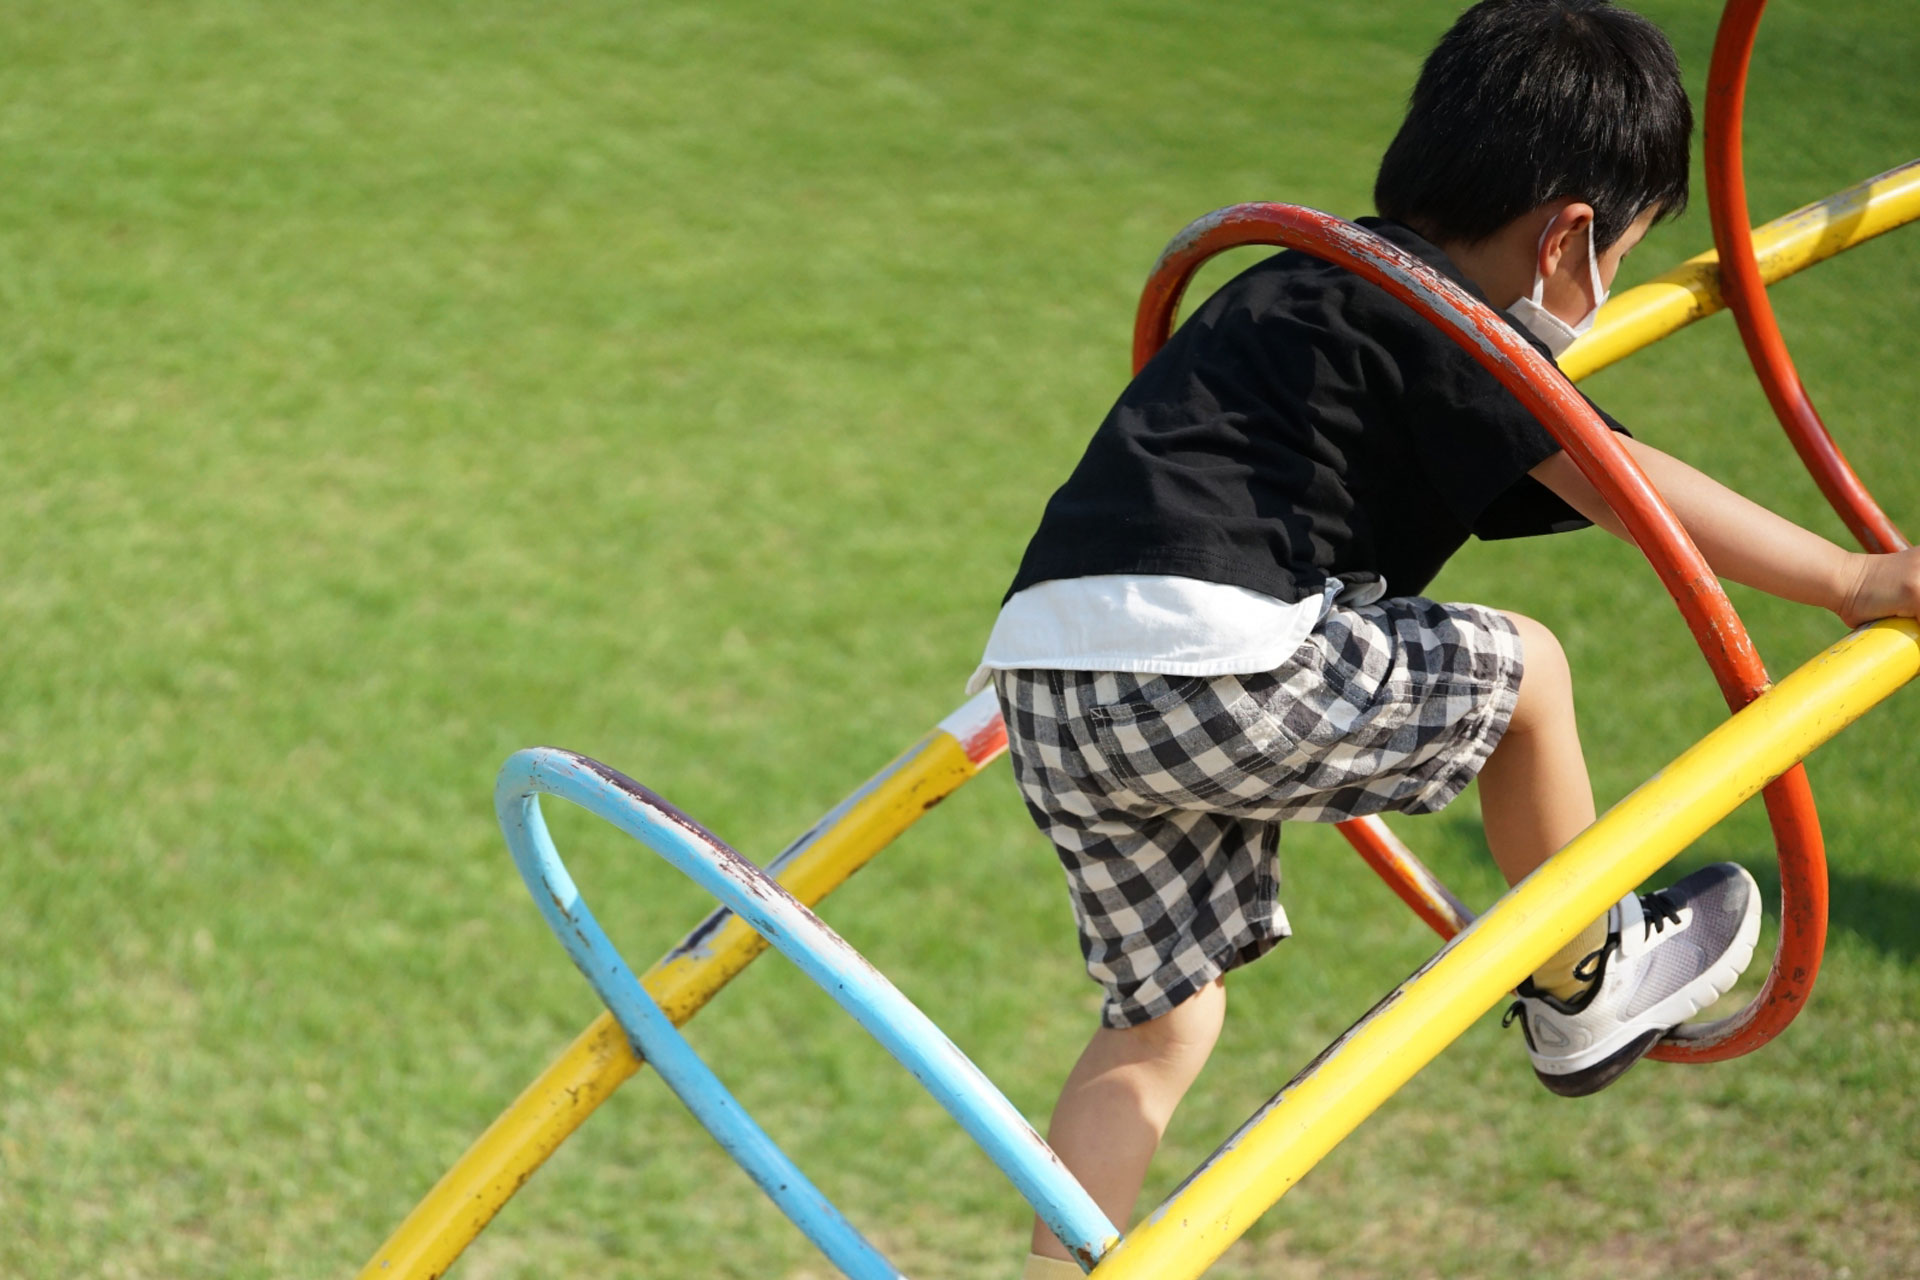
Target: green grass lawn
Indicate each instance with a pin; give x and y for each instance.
(389, 387)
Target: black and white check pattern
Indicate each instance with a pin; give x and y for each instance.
(1163, 794)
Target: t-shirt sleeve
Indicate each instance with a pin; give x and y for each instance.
(1475, 443)
(1529, 508)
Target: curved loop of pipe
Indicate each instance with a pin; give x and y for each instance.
(525, 777)
(1605, 462)
(759, 900)
(501, 1160)
(1746, 293)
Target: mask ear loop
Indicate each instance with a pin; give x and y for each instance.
(1539, 294)
(1593, 278)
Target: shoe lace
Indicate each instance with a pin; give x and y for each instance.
(1514, 1011)
(1589, 967)
(1657, 912)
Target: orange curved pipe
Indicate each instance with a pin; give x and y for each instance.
(1605, 462)
(1746, 293)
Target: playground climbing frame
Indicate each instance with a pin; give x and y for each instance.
(1757, 749)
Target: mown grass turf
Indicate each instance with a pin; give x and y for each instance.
(390, 387)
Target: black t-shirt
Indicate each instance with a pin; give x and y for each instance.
(1302, 424)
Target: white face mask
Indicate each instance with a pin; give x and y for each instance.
(1531, 314)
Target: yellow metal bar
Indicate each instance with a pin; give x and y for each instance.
(554, 1105)
(1646, 313)
(1479, 968)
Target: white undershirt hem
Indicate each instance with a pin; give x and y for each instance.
(1152, 623)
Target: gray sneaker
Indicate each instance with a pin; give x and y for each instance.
(1668, 955)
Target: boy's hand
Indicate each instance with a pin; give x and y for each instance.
(1884, 586)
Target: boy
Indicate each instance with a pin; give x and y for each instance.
(1218, 625)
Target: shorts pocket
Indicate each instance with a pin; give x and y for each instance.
(1152, 738)
(1153, 698)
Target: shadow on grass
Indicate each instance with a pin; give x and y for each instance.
(1875, 909)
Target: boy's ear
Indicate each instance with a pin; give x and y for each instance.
(1565, 232)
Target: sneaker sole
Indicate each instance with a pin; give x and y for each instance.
(1578, 1084)
(1611, 1058)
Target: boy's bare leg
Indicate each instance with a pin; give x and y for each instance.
(1119, 1097)
(1115, 1106)
(1534, 791)
(1585, 1020)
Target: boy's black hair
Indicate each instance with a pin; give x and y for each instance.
(1526, 101)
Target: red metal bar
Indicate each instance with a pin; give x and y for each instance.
(1803, 936)
(1605, 462)
(1746, 293)
(1407, 876)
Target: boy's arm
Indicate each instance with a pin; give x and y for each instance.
(1751, 545)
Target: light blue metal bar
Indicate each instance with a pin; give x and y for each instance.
(906, 1033)
(657, 1040)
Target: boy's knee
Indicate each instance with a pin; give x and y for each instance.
(1546, 685)
(1539, 645)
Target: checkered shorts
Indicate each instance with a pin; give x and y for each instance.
(1163, 795)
